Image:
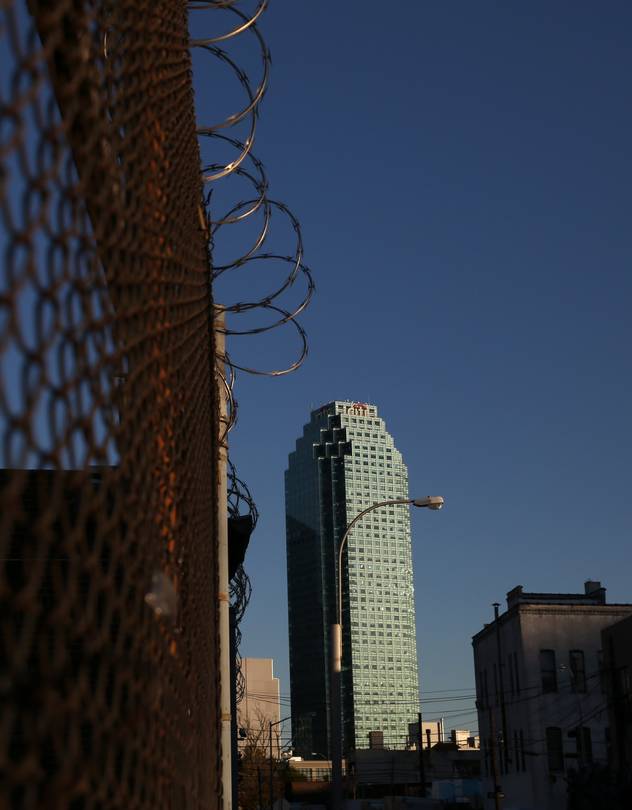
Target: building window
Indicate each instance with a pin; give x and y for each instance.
(517, 676)
(516, 756)
(584, 740)
(578, 670)
(554, 749)
(583, 743)
(548, 671)
(602, 671)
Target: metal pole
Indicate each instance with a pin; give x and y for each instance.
(497, 790)
(272, 725)
(336, 716)
(234, 745)
(223, 597)
(271, 773)
(581, 752)
(501, 689)
(422, 764)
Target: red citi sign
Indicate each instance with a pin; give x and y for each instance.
(357, 408)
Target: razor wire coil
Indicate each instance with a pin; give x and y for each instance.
(212, 172)
(248, 167)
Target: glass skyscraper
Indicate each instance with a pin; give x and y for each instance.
(344, 462)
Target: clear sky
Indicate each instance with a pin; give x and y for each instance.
(462, 172)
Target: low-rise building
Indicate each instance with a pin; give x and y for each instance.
(314, 770)
(541, 700)
(464, 739)
(432, 732)
(451, 774)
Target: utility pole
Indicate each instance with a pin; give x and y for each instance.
(501, 688)
(336, 719)
(497, 791)
(223, 586)
(271, 725)
(234, 745)
(422, 764)
(271, 771)
(581, 747)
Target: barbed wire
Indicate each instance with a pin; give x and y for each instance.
(215, 171)
(260, 183)
(198, 5)
(240, 593)
(239, 496)
(249, 168)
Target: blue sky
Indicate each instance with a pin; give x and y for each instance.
(462, 174)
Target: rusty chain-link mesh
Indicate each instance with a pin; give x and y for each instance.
(108, 423)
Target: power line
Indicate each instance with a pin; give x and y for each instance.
(423, 691)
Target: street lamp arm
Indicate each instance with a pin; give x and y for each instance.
(343, 542)
(431, 502)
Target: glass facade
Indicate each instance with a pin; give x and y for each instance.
(344, 462)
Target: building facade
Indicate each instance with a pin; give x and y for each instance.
(344, 462)
(451, 774)
(617, 650)
(542, 705)
(260, 705)
(314, 770)
(464, 739)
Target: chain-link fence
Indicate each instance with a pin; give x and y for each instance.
(108, 421)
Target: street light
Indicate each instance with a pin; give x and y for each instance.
(271, 726)
(335, 719)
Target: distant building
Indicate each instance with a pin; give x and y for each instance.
(451, 774)
(464, 739)
(542, 708)
(261, 704)
(432, 733)
(384, 767)
(617, 653)
(345, 461)
(314, 770)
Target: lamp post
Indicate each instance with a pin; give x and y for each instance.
(271, 725)
(335, 718)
